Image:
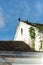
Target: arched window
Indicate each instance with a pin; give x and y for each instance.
(21, 31)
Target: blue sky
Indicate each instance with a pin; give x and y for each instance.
(11, 10)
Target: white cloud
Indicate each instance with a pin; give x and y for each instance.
(2, 22)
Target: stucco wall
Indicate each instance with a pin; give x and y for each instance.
(26, 35)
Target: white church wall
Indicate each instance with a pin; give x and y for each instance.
(37, 40)
(24, 35)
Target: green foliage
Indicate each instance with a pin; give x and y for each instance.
(32, 32)
(40, 45)
(33, 45)
(40, 27)
(32, 35)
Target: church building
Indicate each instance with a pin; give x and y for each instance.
(30, 33)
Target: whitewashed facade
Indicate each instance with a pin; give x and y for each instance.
(23, 34)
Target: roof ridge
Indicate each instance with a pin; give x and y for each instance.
(30, 23)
